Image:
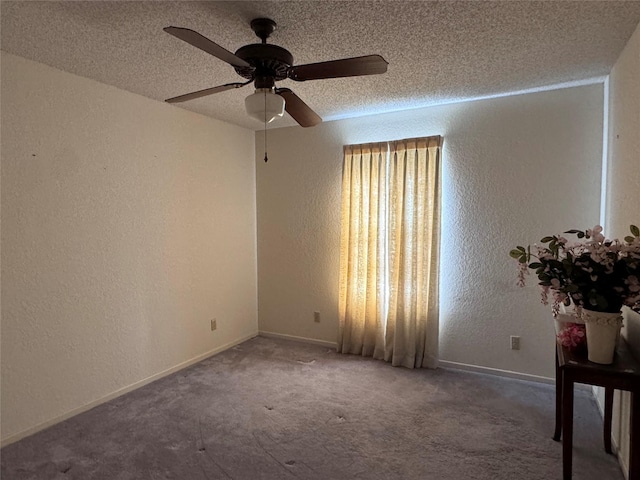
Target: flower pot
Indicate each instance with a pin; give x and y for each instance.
(603, 331)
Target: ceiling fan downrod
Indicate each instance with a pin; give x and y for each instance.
(263, 28)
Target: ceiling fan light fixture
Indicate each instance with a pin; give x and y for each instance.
(264, 105)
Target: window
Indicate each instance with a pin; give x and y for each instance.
(388, 293)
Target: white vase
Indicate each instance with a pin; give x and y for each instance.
(603, 331)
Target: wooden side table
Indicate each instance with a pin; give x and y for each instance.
(622, 374)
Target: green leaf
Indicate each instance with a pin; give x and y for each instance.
(635, 230)
(546, 239)
(515, 253)
(580, 235)
(535, 265)
(628, 239)
(521, 249)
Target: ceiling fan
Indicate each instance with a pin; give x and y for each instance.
(264, 64)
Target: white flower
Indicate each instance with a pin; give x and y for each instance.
(596, 234)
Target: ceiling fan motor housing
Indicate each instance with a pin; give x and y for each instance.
(266, 60)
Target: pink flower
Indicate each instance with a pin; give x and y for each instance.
(596, 272)
(522, 272)
(596, 233)
(572, 336)
(544, 294)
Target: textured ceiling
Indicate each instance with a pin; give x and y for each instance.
(437, 51)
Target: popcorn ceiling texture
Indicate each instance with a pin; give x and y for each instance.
(126, 226)
(437, 51)
(514, 169)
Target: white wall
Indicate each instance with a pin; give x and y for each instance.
(127, 224)
(623, 192)
(515, 169)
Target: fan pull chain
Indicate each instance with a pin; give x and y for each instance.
(266, 159)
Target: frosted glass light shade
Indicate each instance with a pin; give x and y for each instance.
(264, 105)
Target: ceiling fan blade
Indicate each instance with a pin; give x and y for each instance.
(203, 43)
(299, 110)
(347, 67)
(206, 91)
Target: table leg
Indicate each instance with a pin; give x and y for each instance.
(608, 413)
(634, 446)
(558, 431)
(567, 425)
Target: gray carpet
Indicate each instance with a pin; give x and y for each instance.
(272, 409)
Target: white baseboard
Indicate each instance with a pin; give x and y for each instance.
(496, 371)
(623, 465)
(71, 413)
(442, 363)
(312, 341)
(614, 443)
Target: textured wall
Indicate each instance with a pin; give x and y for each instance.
(623, 190)
(515, 168)
(127, 224)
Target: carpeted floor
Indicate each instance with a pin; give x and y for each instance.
(272, 409)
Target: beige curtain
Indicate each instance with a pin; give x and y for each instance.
(388, 294)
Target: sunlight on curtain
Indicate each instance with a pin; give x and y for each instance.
(388, 295)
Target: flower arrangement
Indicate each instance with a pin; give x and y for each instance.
(572, 336)
(596, 273)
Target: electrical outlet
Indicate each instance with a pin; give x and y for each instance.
(214, 324)
(316, 317)
(515, 342)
